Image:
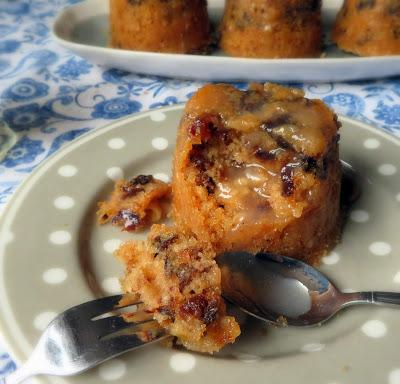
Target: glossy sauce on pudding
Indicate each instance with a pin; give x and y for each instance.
(251, 165)
(281, 138)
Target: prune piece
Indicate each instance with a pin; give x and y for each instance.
(128, 219)
(396, 32)
(276, 121)
(393, 8)
(313, 5)
(167, 311)
(265, 155)
(142, 179)
(184, 272)
(207, 182)
(317, 166)
(204, 127)
(252, 100)
(210, 314)
(198, 158)
(198, 306)
(130, 190)
(185, 275)
(134, 186)
(162, 243)
(226, 135)
(363, 4)
(287, 173)
(307, 6)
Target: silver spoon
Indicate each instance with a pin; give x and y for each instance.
(285, 291)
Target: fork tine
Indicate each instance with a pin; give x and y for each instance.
(96, 307)
(124, 343)
(113, 324)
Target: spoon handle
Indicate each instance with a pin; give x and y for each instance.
(379, 298)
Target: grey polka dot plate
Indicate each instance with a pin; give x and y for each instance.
(53, 256)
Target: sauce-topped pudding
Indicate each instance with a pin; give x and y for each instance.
(368, 27)
(272, 28)
(258, 170)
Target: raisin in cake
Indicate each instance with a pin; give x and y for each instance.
(368, 27)
(176, 26)
(272, 28)
(259, 171)
(178, 280)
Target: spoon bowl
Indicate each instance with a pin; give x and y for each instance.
(286, 291)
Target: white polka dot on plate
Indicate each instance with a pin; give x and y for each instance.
(387, 169)
(372, 143)
(313, 347)
(396, 278)
(162, 176)
(159, 143)
(111, 285)
(42, 320)
(158, 116)
(331, 259)
(374, 329)
(60, 237)
(394, 376)
(380, 248)
(67, 171)
(115, 173)
(182, 362)
(55, 276)
(359, 216)
(64, 202)
(247, 358)
(116, 143)
(112, 245)
(112, 370)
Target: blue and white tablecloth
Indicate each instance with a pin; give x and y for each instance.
(49, 96)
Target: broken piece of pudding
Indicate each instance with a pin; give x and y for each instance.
(258, 170)
(178, 280)
(136, 203)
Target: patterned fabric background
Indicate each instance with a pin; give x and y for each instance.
(49, 96)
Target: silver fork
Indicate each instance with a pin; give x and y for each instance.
(81, 338)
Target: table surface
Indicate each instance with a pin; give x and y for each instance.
(49, 96)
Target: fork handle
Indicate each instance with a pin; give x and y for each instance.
(378, 298)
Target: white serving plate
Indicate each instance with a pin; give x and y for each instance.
(83, 29)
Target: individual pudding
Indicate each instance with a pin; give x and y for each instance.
(172, 26)
(368, 27)
(271, 28)
(258, 170)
